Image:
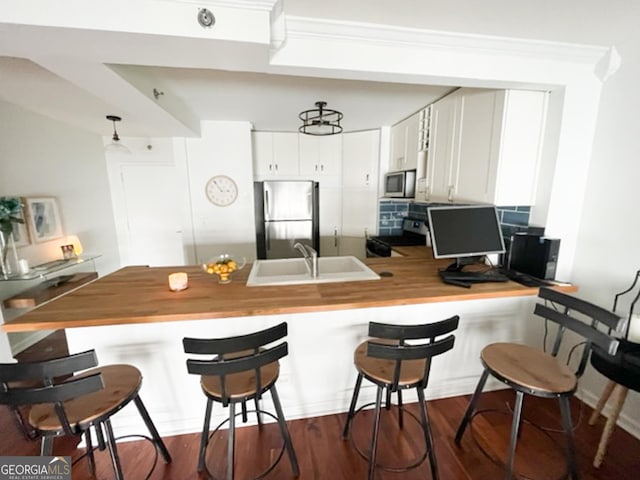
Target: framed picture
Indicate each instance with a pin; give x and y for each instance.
(44, 219)
(20, 230)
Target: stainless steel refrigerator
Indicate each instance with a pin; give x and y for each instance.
(286, 212)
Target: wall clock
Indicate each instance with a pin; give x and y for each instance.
(221, 190)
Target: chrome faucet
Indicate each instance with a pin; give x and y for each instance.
(310, 258)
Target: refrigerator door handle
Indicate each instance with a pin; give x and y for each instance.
(267, 240)
(266, 201)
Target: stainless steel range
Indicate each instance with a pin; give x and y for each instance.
(414, 232)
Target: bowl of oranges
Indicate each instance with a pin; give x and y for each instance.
(223, 266)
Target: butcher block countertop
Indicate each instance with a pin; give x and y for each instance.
(140, 294)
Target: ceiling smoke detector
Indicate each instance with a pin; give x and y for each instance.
(206, 18)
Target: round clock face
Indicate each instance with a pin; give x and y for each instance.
(221, 190)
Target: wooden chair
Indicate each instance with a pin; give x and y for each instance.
(392, 364)
(532, 371)
(63, 403)
(242, 370)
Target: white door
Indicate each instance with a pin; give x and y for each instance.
(153, 203)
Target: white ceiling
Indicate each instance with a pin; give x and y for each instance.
(273, 102)
(78, 74)
(268, 101)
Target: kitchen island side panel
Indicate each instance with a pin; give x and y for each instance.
(317, 376)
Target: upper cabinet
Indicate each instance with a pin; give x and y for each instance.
(485, 146)
(361, 156)
(275, 155)
(408, 139)
(321, 157)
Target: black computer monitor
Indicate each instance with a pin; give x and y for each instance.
(466, 233)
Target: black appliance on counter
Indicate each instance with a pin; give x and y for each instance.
(534, 254)
(414, 232)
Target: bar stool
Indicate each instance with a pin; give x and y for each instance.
(242, 370)
(63, 403)
(623, 372)
(532, 371)
(392, 364)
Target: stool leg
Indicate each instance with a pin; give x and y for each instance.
(428, 435)
(515, 426)
(113, 450)
(91, 458)
(606, 393)
(100, 436)
(471, 407)
(46, 446)
(387, 402)
(610, 425)
(232, 435)
(204, 438)
(244, 412)
(400, 419)
(258, 412)
(152, 429)
(352, 407)
(374, 436)
(285, 431)
(565, 410)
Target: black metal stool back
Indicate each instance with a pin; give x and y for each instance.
(587, 326)
(410, 365)
(530, 370)
(242, 369)
(25, 384)
(47, 383)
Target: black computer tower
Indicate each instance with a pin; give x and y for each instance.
(535, 255)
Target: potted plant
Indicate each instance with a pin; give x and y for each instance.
(10, 209)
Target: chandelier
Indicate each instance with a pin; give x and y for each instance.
(320, 121)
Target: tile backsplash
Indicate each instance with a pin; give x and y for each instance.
(512, 218)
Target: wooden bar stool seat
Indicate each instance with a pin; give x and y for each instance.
(529, 369)
(121, 383)
(66, 402)
(396, 358)
(541, 373)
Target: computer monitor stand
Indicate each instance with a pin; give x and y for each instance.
(460, 262)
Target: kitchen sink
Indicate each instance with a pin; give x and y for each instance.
(293, 271)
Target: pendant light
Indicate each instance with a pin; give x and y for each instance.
(320, 121)
(115, 146)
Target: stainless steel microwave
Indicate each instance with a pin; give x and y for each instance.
(400, 184)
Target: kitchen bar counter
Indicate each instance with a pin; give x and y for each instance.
(139, 294)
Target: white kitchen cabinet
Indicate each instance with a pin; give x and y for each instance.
(361, 156)
(330, 220)
(275, 155)
(485, 146)
(440, 163)
(360, 159)
(321, 158)
(406, 143)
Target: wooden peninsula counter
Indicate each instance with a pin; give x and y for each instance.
(131, 316)
(140, 294)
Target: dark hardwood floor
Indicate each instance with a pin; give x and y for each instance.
(322, 454)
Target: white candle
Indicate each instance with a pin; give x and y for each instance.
(634, 328)
(178, 281)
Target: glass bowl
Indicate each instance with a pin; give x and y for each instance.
(223, 266)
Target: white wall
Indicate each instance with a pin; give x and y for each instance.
(223, 149)
(43, 157)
